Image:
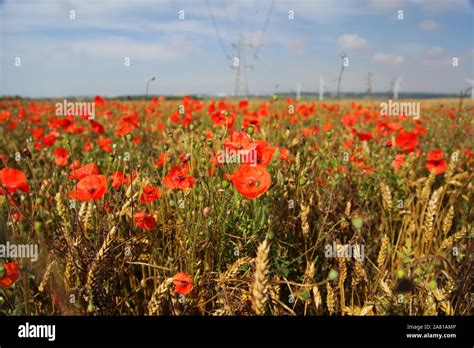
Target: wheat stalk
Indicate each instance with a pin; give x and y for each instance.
(94, 270)
(330, 299)
(386, 196)
(154, 305)
(383, 253)
(260, 284)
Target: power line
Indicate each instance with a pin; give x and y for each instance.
(221, 41)
(265, 25)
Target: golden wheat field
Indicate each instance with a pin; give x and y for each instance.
(236, 207)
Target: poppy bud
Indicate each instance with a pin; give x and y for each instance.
(202, 160)
(250, 130)
(302, 181)
(329, 134)
(90, 307)
(38, 226)
(191, 126)
(129, 137)
(275, 97)
(400, 273)
(357, 222)
(332, 274)
(224, 184)
(181, 126)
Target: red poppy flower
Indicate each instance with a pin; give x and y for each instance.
(365, 136)
(436, 162)
(284, 153)
(149, 194)
(87, 147)
(327, 126)
(221, 119)
(61, 155)
(250, 181)
(128, 124)
(252, 121)
(398, 161)
(105, 143)
(238, 140)
(50, 138)
(407, 141)
(12, 180)
(37, 133)
(162, 159)
(307, 131)
(349, 119)
(178, 178)
(183, 283)
(75, 164)
(99, 100)
(119, 178)
(82, 172)
(11, 275)
(243, 104)
(264, 152)
(144, 220)
(89, 188)
(97, 127)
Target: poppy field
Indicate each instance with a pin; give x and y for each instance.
(241, 207)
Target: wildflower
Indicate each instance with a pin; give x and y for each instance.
(149, 194)
(183, 283)
(60, 156)
(82, 172)
(250, 181)
(407, 141)
(436, 162)
(89, 188)
(10, 275)
(12, 180)
(398, 162)
(178, 178)
(144, 220)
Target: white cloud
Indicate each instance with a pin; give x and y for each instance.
(352, 42)
(429, 25)
(296, 46)
(387, 58)
(434, 51)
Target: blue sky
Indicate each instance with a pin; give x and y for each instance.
(85, 56)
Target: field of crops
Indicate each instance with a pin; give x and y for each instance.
(237, 207)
